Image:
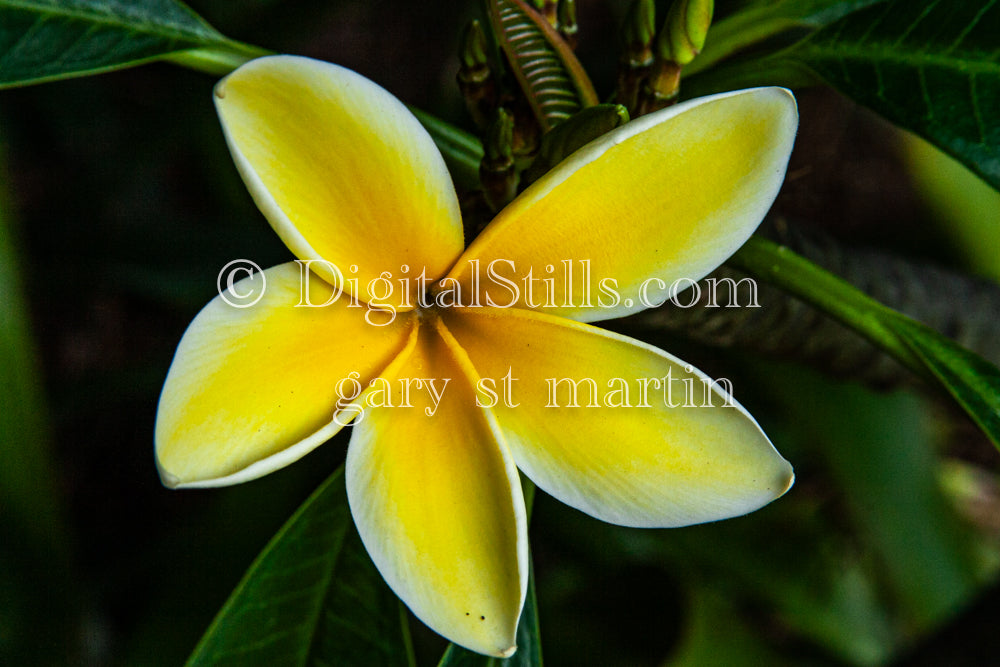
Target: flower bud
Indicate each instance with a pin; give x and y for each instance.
(684, 31)
(566, 17)
(472, 47)
(638, 32)
(497, 172)
(475, 76)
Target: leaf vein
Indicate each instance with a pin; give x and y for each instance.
(913, 24)
(969, 28)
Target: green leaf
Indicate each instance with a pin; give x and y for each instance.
(880, 451)
(312, 597)
(38, 582)
(826, 598)
(974, 382)
(43, 40)
(763, 19)
(971, 380)
(549, 74)
(932, 67)
(716, 635)
(811, 13)
(529, 644)
(28, 488)
(965, 207)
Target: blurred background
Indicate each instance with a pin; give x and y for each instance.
(119, 204)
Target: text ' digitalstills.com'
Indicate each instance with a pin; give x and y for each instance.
(569, 284)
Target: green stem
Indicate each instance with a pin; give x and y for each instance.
(798, 276)
(217, 60)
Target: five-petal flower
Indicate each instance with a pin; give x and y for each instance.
(346, 175)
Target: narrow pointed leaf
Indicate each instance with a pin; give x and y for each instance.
(972, 381)
(549, 74)
(312, 597)
(42, 40)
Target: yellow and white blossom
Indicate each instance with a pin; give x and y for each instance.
(346, 175)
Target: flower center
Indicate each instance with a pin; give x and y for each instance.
(440, 295)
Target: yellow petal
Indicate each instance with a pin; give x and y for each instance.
(666, 197)
(624, 456)
(342, 171)
(438, 503)
(253, 389)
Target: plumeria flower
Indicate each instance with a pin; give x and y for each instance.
(463, 378)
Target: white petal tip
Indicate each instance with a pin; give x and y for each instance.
(507, 652)
(168, 480)
(792, 102)
(789, 483)
(787, 92)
